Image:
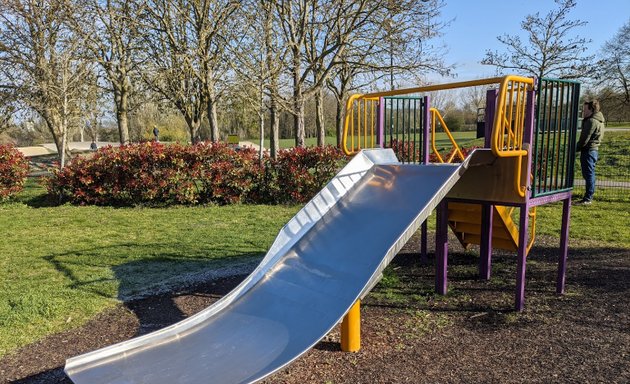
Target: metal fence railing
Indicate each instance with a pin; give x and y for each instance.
(612, 169)
(404, 121)
(554, 138)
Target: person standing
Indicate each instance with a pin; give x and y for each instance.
(156, 133)
(588, 146)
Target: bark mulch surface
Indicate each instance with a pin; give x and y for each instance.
(411, 335)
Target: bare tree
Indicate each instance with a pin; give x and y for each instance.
(171, 66)
(316, 34)
(7, 108)
(186, 42)
(473, 98)
(398, 44)
(552, 48)
(257, 61)
(613, 69)
(274, 57)
(110, 32)
(41, 58)
(93, 108)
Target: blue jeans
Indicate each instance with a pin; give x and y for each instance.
(587, 162)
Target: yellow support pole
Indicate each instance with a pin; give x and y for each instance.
(351, 329)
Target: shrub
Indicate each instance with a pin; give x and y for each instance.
(301, 172)
(406, 151)
(148, 173)
(226, 176)
(13, 171)
(155, 174)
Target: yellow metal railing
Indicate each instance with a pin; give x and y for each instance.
(506, 212)
(509, 124)
(360, 123)
(355, 132)
(435, 116)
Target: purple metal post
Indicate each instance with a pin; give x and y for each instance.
(441, 248)
(491, 106)
(528, 134)
(529, 121)
(564, 245)
(522, 257)
(380, 127)
(424, 256)
(425, 130)
(523, 230)
(425, 160)
(485, 248)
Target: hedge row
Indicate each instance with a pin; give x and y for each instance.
(155, 174)
(13, 171)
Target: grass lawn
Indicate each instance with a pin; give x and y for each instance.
(61, 265)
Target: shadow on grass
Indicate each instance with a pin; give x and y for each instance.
(160, 308)
(152, 313)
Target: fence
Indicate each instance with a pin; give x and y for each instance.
(612, 169)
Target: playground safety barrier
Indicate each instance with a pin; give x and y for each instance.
(557, 108)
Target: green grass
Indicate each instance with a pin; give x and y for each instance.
(618, 124)
(602, 222)
(614, 157)
(59, 266)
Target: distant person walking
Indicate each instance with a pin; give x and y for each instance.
(588, 146)
(156, 133)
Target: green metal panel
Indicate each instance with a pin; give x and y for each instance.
(403, 131)
(554, 136)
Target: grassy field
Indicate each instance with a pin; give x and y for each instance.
(61, 265)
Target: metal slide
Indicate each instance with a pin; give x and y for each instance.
(328, 256)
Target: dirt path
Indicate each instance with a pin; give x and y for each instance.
(410, 335)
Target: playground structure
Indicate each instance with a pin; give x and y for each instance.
(530, 128)
(334, 250)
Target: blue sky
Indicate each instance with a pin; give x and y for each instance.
(477, 24)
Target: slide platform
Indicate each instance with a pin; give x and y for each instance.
(329, 255)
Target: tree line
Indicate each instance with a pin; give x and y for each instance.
(63, 58)
(266, 62)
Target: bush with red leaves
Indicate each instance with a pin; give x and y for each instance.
(155, 174)
(13, 171)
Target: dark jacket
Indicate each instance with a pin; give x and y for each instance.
(592, 133)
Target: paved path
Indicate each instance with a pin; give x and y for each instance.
(50, 148)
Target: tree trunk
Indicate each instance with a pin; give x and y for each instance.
(274, 139)
(339, 123)
(121, 98)
(59, 135)
(298, 121)
(63, 156)
(319, 118)
(261, 142)
(212, 118)
(193, 128)
(298, 102)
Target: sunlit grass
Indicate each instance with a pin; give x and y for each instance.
(61, 265)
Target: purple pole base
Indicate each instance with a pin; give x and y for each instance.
(564, 245)
(485, 249)
(522, 257)
(441, 249)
